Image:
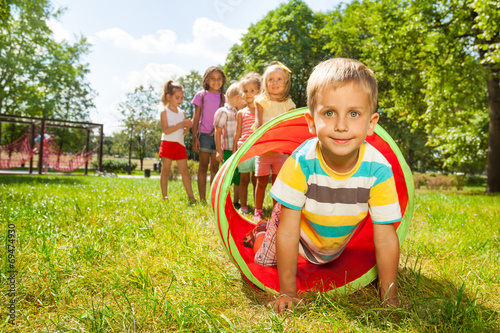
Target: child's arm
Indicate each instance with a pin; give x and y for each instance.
(196, 119)
(259, 115)
(188, 123)
(170, 129)
(287, 256)
(220, 154)
(387, 256)
(237, 134)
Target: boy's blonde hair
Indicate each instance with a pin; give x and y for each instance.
(277, 66)
(251, 77)
(338, 72)
(233, 90)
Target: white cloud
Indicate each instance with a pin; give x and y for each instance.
(210, 39)
(110, 117)
(153, 74)
(58, 31)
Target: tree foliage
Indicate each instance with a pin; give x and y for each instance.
(140, 120)
(288, 34)
(437, 62)
(435, 67)
(38, 75)
(192, 84)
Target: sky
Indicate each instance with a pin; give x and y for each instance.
(150, 41)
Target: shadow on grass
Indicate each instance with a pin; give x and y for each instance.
(428, 305)
(38, 180)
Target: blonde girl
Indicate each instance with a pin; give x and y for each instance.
(207, 102)
(174, 126)
(273, 101)
(245, 119)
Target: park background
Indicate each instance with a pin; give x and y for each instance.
(100, 254)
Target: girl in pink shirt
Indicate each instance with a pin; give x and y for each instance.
(207, 102)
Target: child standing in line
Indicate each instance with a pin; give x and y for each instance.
(174, 126)
(225, 127)
(206, 102)
(250, 87)
(331, 182)
(273, 101)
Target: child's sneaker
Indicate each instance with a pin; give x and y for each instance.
(243, 210)
(258, 215)
(249, 239)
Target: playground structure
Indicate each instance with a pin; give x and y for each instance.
(355, 268)
(22, 150)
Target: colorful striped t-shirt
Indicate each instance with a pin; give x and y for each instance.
(334, 204)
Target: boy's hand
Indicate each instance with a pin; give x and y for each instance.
(219, 156)
(285, 303)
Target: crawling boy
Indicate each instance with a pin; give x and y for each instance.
(331, 182)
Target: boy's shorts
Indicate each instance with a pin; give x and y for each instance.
(207, 143)
(173, 151)
(269, 162)
(266, 255)
(236, 175)
(247, 166)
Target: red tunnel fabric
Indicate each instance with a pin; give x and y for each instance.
(356, 266)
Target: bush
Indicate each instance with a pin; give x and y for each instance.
(115, 166)
(459, 182)
(192, 168)
(476, 180)
(436, 181)
(418, 179)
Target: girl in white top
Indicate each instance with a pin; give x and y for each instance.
(174, 126)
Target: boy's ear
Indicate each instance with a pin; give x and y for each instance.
(310, 123)
(373, 121)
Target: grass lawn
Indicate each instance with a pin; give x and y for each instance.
(98, 254)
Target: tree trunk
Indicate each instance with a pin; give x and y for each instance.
(493, 169)
(129, 168)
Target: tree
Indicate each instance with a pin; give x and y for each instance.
(39, 76)
(438, 68)
(192, 84)
(289, 34)
(141, 123)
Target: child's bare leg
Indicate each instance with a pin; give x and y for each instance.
(214, 167)
(202, 175)
(186, 179)
(244, 180)
(254, 182)
(236, 198)
(165, 171)
(260, 191)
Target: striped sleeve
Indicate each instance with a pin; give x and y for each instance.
(291, 185)
(383, 201)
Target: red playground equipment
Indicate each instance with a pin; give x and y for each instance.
(22, 150)
(355, 268)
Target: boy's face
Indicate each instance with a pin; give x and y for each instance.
(236, 101)
(342, 120)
